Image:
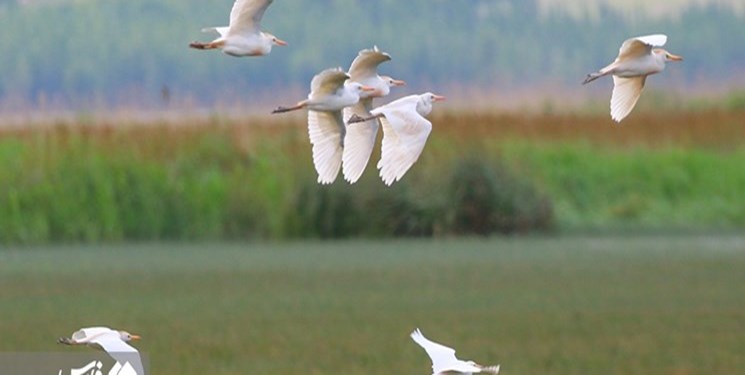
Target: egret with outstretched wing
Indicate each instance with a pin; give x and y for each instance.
(243, 36)
(405, 132)
(113, 342)
(444, 359)
(637, 58)
(360, 137)
(330, 92)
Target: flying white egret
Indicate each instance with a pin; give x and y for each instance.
(360, 137)
(637, 58)
(113, 342)
(405, 132)
(330, 92)
(444, 359)
(243, 36)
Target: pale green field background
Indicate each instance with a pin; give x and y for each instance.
(554, 305)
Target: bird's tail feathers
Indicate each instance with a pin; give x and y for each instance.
(65, 340)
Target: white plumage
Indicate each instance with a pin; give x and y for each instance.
(113, 342)
(360, 137)
(405, 132)
(444, 359)
(243, 36)
(330, 92)
(637, 58)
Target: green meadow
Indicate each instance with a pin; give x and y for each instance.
(555, 305)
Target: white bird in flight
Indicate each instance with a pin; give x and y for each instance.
(444, 359)
(405, 132)
(360, 137)
(243, 36)
(113, 342)
(330, 92)
(637, 58)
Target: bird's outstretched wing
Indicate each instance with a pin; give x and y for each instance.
(626, 92)
(359, 140)
(120, 351)
(640, 46)
(327, 82)
(366, 63)
(83, 335)
(405, 133)
(245, 17)
(441, 355)
(326, 132)
(491, 369)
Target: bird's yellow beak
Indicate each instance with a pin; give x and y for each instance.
(135, 337)
(367, 88)
(398, 82)
(280, 42)
(674, 57)
(438, 98)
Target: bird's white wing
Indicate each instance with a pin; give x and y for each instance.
(120, 351)
(654, 40)
(366, 63)
(84, 334)
(245, 17)
(405, 133)
(626, 92)
(359, 140)
(326, 132)
(442, 356)
(222, 30)
(640, 46)
(327, 82)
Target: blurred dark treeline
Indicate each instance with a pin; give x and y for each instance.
(84, 53)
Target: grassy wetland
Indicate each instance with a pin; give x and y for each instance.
(654, 304)
(93, 180)
(141, 225)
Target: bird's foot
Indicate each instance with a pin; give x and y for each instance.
(281, 110)
(355, 119)
(591, 77)
(198, 45)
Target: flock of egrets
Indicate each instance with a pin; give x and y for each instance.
(343, 127)
(342, 123)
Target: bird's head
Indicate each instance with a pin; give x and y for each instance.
(126, 336)
(667, 56)
(358, 88)
(431, 98)
(276, 41)
(391, 82)
(424, 104)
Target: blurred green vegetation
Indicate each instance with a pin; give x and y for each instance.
(92, 53)
(253, 179)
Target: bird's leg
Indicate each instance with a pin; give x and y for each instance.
(592, 76)
(357, 118)
(210, 45)
(66, 341)
(288, 109)
(198, 45)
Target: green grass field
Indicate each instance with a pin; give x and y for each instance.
(553, 305)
